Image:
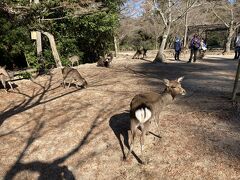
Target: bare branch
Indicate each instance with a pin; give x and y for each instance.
(187, 9)
(160, 12)
(226, 24)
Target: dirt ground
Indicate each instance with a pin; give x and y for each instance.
(48, 132)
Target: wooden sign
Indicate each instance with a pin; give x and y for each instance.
(34, 35)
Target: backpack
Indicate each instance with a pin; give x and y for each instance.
(195, 43)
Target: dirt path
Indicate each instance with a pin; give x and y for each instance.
(49, 132)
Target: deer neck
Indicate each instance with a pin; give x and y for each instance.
(167, 96)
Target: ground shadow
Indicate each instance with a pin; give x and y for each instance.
(36, 98)
(120, 124)
(52, 170)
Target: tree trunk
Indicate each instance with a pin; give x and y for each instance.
(54, 49)
(115, 45)
(186, 26)
(160, 57)
(156, 42)
(231, 32)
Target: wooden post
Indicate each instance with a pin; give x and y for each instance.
(39, 43)
(235, 87)
(36, 35)
(54, 49)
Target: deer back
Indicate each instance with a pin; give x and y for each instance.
(73, 59)
(71, 73)
(151, 100)
(4, 74)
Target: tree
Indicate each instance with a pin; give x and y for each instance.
(165, 9)
(228, 13)
(68, 21)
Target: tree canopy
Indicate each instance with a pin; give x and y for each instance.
(84, 28)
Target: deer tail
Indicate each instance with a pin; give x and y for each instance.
(143, 114)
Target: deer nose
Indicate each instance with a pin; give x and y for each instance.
(184, 92)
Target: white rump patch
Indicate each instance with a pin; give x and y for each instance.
(143, 114)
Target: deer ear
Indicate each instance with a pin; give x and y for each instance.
(166, 82)
(180, 79)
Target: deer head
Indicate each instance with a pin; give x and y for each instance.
(174, 87)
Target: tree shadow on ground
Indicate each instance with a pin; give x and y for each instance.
(48, 170)
(38, 97)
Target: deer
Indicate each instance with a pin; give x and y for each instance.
(74, 59)
(71, 75)
(139, 52)
(5, 77)
(105, 61)
(146, 107)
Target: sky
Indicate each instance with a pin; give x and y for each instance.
(232, 1)
(133, 8)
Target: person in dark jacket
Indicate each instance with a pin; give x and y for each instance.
(178, 48)
(194, 47)
(237, 47)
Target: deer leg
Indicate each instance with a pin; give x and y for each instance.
(4, 84)
(10, 85)
(157, 124)
(144, 128)
(142, 138)
(64, 83)
(69, 84)
(134, 127)
(134, 56)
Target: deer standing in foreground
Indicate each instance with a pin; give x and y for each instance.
(74, 59)
(5, 77)
(147, 107)
(71, 75)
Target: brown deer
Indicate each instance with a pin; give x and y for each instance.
(147, 107)
(139, 52)
(105, 61)
(5, 77)
(74, 59)
(71, 75)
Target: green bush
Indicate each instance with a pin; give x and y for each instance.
(25, 75)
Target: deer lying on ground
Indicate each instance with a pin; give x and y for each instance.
(139, 52)
(147, 107)
(105, 62)
(71, 75)
(5, 77)
(74, 59)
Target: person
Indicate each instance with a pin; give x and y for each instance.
(237, 47)
(194, 46)
(203, 48)
(178, 48)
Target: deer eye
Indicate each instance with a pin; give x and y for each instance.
(173, 87)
